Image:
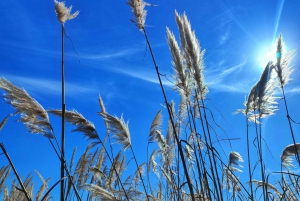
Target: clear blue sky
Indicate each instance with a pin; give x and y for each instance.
(116, 64)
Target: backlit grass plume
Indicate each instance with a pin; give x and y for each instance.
(287, 153)
(183, 81)
(119, 128)
(282, 67)
(33, 115)
(230, 181)
(192, 52)
(261, 101)
(137, 7)
(64, 13)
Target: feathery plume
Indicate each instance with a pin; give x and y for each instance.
(33, 115)
(261, 102)
(43, 187)
(230, 181)
(183, 81)
(282, 67)
(76, 119)
(137, 7)
(99, 192)
(268, 185)
(287, 153)
(119, 128)
(155, 127)
(192, 52)
(64, 13)
(234, 158)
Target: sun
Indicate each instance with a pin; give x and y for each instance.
(265, 55)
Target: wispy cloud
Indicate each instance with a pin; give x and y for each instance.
(111, 55)
(52, 87)
(219, 78)
(145, 76)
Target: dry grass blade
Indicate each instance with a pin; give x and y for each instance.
(98, 192)
(268, 185)
(43, 187)
(138, 173)
(64, 13)
(230, 181)
(119, 128)
(155, 126)
(33, 115)
(4, 173)
(287, 153)
(4, 121)
(137, 7)
(83, 125)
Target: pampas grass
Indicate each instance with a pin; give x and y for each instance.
(287, 153)
(64, 13)
(33, 115)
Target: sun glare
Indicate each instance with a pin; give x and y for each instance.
(265, 55)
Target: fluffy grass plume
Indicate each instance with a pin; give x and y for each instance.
(75, 118)
(192, 52)
(138, 9)
(119, 128)
(283, 68)
(287, 153)
(33, 115)
(64, 13)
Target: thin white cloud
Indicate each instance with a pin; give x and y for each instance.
(53, 87)
(114, 54)
(145, 76)
(221, 73)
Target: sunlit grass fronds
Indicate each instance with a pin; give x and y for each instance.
(114, 167)
(43, 187)
(260, 184)
(4, 121)
(4, 173)
(138, 173)
(230, 181)
(64, 13)
(265, 89)
(189, 155)
(234, 158)
(287, 153)
(182, 78)
(282, 67)
(33, 115)
(138, 9)
(153, 164)
(155, 126)
(97, 173)
(261, 101)
(119, 128)
(192, 53)
(81, 171)
(83, 125)
(6, 194)
(167, 177)
(98, 192)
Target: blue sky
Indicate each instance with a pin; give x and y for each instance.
(115, 63)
